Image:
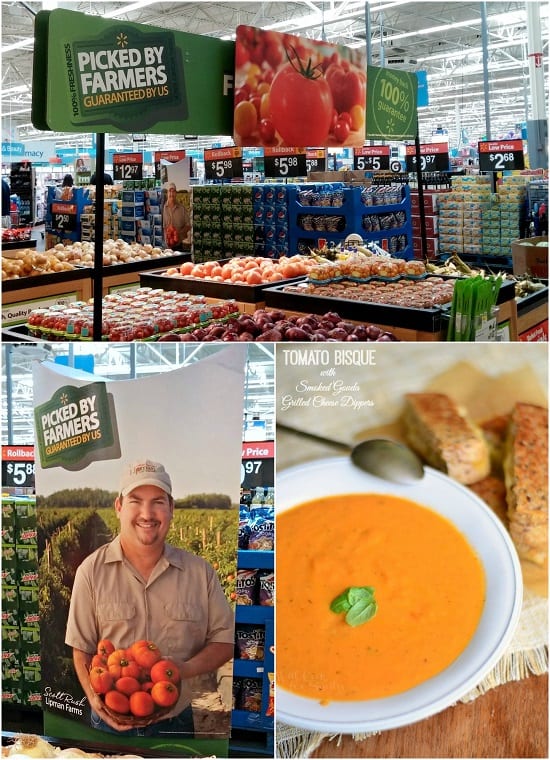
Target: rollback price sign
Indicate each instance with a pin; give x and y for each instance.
(285, 162)
(434, 157)
(64, 216)
(257, 468)
(170, 156)
(500, 155)
(373, 158)
(316, 160)
(18, 466)
(127, 166)
(223, 163)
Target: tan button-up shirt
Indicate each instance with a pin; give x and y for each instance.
(181, 607)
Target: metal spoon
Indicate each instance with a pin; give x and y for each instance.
(381, 457)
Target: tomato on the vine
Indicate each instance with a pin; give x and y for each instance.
(348, 87)
(301, 104)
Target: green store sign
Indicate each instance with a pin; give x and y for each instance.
(391, 104)
(77, 426)
(102, 75)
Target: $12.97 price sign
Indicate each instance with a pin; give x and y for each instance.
(257, 464)
(285, 162)
(501, 155)
(18, 466)
(433, 158)
(223, 163)
(127, 166)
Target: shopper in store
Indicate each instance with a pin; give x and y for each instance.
(175, 220)
(67, 181)
(139, 587)
(107, 179)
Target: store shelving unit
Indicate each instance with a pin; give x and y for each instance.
(22, 181)
(333, 223)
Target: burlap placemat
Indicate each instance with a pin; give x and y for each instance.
(487, 380)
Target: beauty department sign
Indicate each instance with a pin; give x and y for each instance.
(108, 75)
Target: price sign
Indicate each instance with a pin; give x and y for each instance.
(172, 156)
(257, 467)
(285, 162)
(391, 104)
(372, 158)
(64, 216)
(223, 163)
(127, 166)
(433, 158)
(497, 156)
(316, 160)
(18, 466)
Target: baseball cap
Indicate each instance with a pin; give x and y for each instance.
(145, 472)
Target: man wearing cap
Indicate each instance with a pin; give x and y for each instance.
(175, 220)
(139, 587)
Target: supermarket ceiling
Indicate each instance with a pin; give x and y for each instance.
(442, 38)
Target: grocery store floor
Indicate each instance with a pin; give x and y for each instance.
(38, 234)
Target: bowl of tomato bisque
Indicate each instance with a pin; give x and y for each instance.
(393, 601)
(138, 686)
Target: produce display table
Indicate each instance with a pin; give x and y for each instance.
(406, 323)
(21, 296)
(533, 316)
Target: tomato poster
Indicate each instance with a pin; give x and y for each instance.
(107, 75)
(149, 467)
(295, 92)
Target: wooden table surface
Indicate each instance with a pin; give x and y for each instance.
(508, 721)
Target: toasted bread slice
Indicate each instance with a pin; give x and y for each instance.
(494, 431)
(442, 434)
(493, 492)
(526, 477)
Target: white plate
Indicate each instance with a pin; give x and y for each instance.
(500, 615)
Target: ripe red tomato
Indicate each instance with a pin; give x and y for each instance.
(341, 130)
(348, 87)
(267, 131)
(301, 105)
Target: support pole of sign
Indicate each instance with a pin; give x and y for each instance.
(420, 193)
(98, 244)
(484, 44)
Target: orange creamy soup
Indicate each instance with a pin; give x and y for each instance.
(429, 587)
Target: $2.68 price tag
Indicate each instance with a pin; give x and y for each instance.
(500, 155)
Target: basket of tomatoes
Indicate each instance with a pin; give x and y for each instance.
(138, 686)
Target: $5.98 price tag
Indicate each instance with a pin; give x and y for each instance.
(223, 163)
(285, 162)
(18, 466)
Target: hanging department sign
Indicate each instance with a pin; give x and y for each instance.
(391, 104)
(107, 75)
(77, 426)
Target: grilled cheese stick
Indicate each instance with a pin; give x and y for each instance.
(445, 438)
(526, 478)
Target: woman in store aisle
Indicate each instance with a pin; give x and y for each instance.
(175, 220)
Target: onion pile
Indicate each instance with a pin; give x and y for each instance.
(273, 325)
